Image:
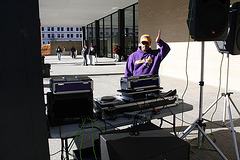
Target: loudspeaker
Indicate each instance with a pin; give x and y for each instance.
(143, 142)
(233, 39)
(208, 19)
(69, 108)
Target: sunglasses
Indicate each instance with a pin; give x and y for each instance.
(144, 42)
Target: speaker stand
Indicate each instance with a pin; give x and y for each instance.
(198, 123)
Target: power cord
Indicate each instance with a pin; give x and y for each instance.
(84, 120)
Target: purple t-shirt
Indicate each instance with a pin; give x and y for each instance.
(142, 63)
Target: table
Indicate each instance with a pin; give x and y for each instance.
(71, 130)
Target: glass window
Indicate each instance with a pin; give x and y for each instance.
(107, 35)
(71, 28)
(128, 31)
(93, 32)
(89, 35)
(58, 35)
(67, 28)
(42, 28)
(48, 28)
(102, 48)
(62, 35)
(67, 35)
(52, 28)
(58, 28)
(43, 42)
(107, 26)
(52, 35)
(42, 35)
(62, 29)
(80, 29)
(48, 35)
(77, 35)
(80, 35)
(77, 29)
(71, 35)
(128, 20)
(136, 26)
(115, 37)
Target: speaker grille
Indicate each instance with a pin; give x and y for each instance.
(213, 20)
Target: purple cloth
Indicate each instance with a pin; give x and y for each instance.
(142, 63)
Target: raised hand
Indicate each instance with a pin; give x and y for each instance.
(158, 36)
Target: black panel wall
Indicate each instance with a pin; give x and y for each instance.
(22, 120)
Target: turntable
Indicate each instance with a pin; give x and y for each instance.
(108, 107)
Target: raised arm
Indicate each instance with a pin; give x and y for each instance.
(158, 36)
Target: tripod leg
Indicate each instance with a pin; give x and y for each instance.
(233, 132)
(202, 114)
(188, 131)
(224, 110)
(234, 105)
(212, 143)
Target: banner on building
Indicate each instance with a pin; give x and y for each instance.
(45, 50)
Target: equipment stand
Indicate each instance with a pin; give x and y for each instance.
(198, 123)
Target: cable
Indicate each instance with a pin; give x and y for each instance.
(93, 141)
(219, 88)
(55, 153)
(95, 127)
(80, 148)
(98, 124)
(76, 137)
(186, 67)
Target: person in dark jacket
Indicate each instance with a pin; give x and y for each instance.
(145, 60)
(119, 54)
(91, 54)
(84, 53)
(73, 52)
(59, 51)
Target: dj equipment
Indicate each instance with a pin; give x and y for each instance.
(71, 84)
(69, 108)
(109, 107)
(139, 82)
(233, 39)
(208, 19)
(143, 142)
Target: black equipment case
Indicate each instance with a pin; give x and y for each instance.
(139, 82)
(69, 108)
(71, 84)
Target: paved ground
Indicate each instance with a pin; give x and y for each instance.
(106, 75)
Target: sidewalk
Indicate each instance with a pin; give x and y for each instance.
(106, 76)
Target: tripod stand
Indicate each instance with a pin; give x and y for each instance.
(198, 122)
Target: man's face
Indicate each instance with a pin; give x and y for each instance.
(145, 46)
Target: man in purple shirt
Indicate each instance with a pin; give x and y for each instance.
(145, 60)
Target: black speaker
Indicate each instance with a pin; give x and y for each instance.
(208, 19)
(233, 39)
(143, 142)
(69, 108)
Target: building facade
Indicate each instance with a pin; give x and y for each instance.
(58, 33)
(119, 28)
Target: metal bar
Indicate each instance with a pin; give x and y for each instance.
(174, 124)
(234, 105)
(233, 132)
(62, 150)
(161, 122)
(226, 91)
(189, 130)
(203, 114)
(212, 143)
(201, 83)
(66, 148)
